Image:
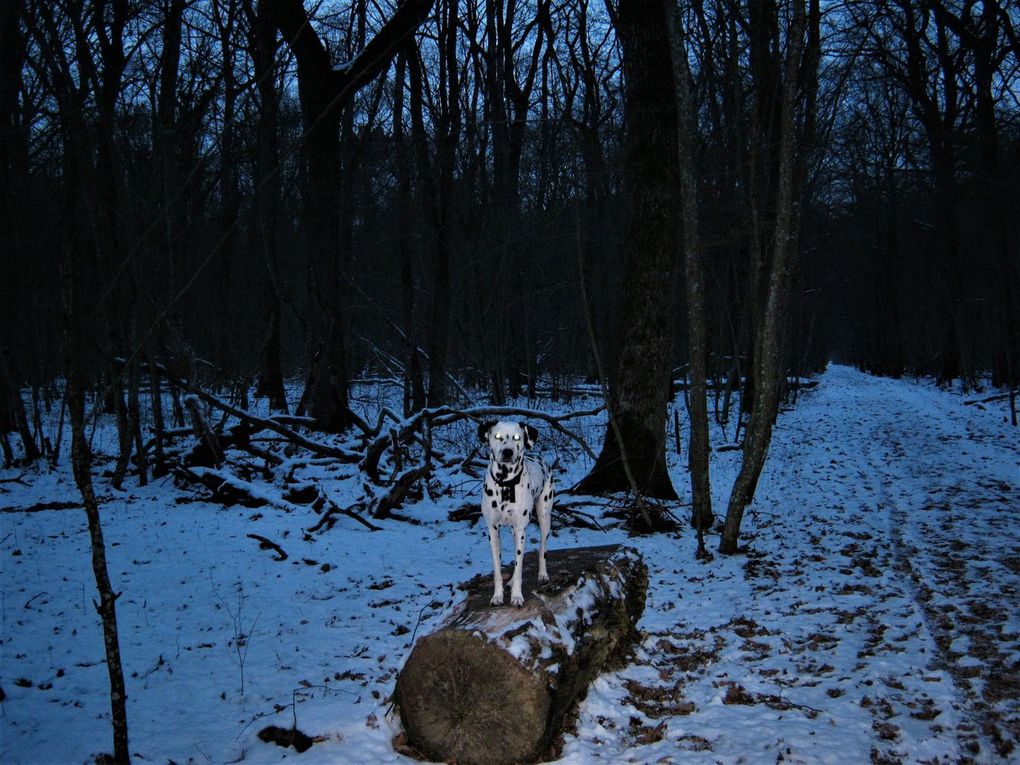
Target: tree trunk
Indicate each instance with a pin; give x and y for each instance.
(697, 311)
(774, 278)
(124, 431)
(159, 467)
(414, 384)
(633, 454)
(324, 91)
(995, 192)
(81, 464)
(12, 407)
(495, 685)
(440, 210)
(264, 43)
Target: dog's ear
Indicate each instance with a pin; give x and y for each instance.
(530, 435)
(483, 430)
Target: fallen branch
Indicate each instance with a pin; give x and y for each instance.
(577, 518)
(40, 506)
(1004, 396)
(202, 431)
(263, 423)
(396, 493)
(471, 512)
(333, 510)
(222, 482)
(268, 544)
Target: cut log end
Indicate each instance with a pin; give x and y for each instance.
(464, 699)
(496, 685)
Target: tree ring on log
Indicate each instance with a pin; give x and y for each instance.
(482, 688)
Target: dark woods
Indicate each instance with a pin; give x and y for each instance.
(437, 194)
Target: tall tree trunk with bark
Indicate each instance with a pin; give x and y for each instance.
(633, 453)
(414, 383)
(324, 91)
(441, 208)
(13, 179)
(694, 274)
(995, 191)
(264, 44)
(70, 272)
(773, 250)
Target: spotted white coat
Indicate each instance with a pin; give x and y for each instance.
(517, 486)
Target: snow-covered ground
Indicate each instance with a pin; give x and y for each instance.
(876, 617)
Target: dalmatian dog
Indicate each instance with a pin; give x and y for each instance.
(516, 487)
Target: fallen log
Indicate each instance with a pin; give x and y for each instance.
(497, 685)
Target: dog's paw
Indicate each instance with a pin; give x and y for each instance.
(497, 599)
(543, 577)
(517, 599)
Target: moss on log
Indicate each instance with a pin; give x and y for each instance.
(496, 685)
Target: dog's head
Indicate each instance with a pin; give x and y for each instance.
(507, 441)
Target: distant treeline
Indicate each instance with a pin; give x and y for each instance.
(235, 184)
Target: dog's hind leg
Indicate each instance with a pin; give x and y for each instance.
(497, 567)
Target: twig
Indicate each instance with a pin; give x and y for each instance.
(268, 544)
(335, 509)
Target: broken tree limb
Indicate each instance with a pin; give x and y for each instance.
(333, 509)
(203, 433)
(262, 423)
(38, 507)
(1001, 396)
(230, 488)
(400, 487)
(497, 685)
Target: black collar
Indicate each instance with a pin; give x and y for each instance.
(508, 487)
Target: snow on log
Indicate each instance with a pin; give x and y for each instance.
(496, 684)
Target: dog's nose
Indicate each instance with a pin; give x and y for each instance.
(508, 453)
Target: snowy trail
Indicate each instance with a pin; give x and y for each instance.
(952, 504)
(945, 483)
(875, 618)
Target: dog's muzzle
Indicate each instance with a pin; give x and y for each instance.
(507, 455)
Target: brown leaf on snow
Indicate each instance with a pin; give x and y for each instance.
(737, 694)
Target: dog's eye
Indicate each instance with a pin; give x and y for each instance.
(499, 436)
(517, 436)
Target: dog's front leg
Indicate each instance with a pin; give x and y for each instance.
(497, 567)
(516, 591)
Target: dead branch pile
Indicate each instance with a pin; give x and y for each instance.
(239, 457)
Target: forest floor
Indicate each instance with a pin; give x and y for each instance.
(874, 618)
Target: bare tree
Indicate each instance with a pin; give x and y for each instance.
(633, 452)
(775, 217)
(81, 461)
(264, 43)
(78, 241)
(325, 90)
(694, 278)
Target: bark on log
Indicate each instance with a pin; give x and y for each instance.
(496, 685)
